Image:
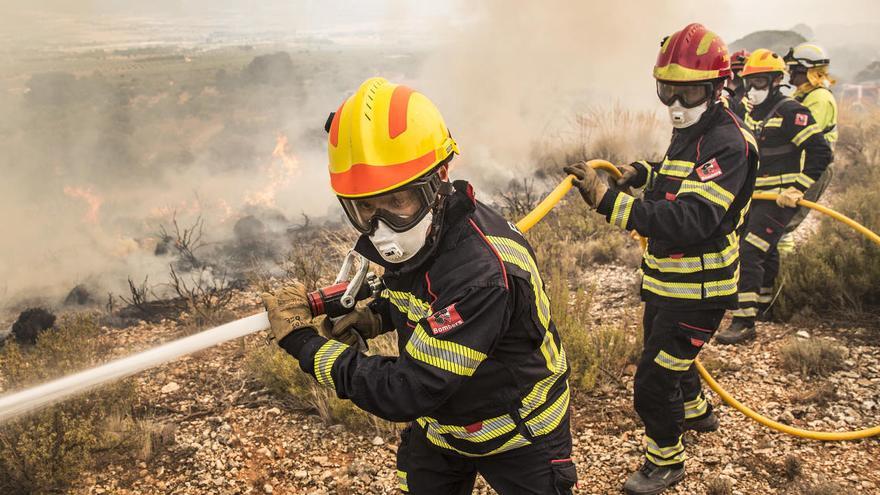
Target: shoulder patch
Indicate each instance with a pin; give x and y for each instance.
(800, 119)
(445, 320)
(709, 170)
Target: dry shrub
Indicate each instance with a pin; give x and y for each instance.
(793, 465)
(837, 270)
(811, 357)
(47, 450)
(596, 354)
(824, 488)
(281, 374)
(719, 486)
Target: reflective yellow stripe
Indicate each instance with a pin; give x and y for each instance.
(622, 208)
(749, 137)
(550, 418)
(695, 408)
(679, 290)
(744, 312)
(414, 308)
(557, 363)
(512, 252)
(690, 264)
(774, 122)
(778, 180)
(671, 362)
(745, 297)
(720, 288)
(401, 481)
(443, 354)
(515, 442)
(664, 456)
(805, 134)
(324, 360)
(724, 258)
(707, 190)
(490, 429)
(804, 180)
(676, 168)
(756, 241)
(766, 295)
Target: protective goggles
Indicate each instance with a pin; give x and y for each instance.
(689, 95)
(401, 209)
(758, 81)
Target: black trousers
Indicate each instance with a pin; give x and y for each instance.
(544, 467)
(759, 258)
(667, 386)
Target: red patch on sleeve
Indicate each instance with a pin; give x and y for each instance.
(800, 119)
(474, 427)
(709, 170)
(445, 320)
(696, 342)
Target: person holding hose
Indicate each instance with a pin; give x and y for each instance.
(794, 154)
(482, 375)
(695, 200)
(808, 73)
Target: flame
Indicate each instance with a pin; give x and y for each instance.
(283, 167)
(92, 200)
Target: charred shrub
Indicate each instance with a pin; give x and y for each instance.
(31, 322)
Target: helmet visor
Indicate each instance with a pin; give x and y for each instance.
(401, 209)
(689, 95)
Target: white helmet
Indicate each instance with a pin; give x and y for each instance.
(808, 55)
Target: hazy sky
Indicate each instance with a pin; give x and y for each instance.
(732, 18)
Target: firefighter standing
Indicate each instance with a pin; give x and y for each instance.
(482, 376)
(694, 201)
(794, 153)
(808, 69)
(734, 89)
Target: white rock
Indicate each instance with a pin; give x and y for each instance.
(170, 387)
(377, 440)
(267, 488)
(803, 334)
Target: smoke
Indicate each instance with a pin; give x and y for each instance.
(114, 120)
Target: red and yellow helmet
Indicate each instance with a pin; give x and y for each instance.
(693, 54)
(384, 137)
(763, 61)
(738, 60)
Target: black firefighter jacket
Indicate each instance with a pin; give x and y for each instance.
(695, 202)
(481, 367)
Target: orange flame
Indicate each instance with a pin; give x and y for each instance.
(283, 167)
(92, 200)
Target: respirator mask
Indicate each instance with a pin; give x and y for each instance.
(397, 222)
(686, 102)
(758, 88)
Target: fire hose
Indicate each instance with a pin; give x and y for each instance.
(18, 403)
(559, 192)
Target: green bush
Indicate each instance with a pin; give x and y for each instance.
(46, 451)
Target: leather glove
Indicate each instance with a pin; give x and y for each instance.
(588, 182)
(789, 197)
(629, 173)
(362, 320)
(288, 309)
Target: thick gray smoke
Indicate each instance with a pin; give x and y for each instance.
(113, 116)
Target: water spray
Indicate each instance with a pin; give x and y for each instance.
(333, 301)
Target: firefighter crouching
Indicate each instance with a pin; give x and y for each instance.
(694, 201)
(794, 153)
(482, 376)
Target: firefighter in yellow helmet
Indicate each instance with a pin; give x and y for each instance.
(794, 154)
(808, 70)
(482, 377)
(695, 200)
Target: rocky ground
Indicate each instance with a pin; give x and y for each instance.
(222, 433)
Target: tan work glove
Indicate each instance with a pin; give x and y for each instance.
(588, 182)
(629, 173)
(362, 320)
(789, 197)
(288, 309)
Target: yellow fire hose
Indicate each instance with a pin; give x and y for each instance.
(559, 192)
